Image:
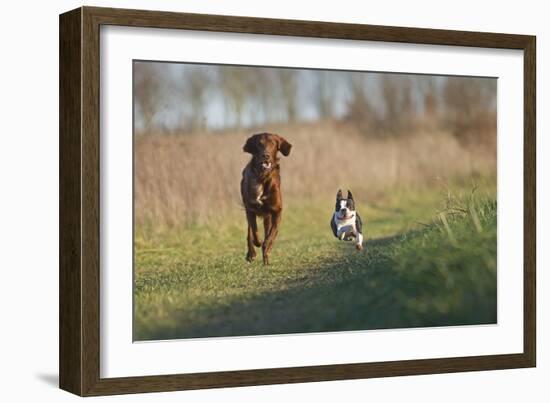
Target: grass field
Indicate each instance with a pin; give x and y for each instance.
(429, 260)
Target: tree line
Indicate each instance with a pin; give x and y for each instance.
(188, 98)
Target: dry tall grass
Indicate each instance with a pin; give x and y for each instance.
(191, 179)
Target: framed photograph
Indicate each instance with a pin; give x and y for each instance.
(249, 201)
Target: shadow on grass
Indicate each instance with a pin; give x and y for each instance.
(385, 286)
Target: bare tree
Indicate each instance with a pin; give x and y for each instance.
(398, 103)
(235, 91)
(428, 88)
(288, 85)
(359, 108)
(196, 85)
(260, 99)
(147, 93)
(324, 93)
(470, 108)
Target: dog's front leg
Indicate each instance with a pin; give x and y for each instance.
(267, 225)
(359, 240)
(252, 236)
(341, 233)
(270, 238)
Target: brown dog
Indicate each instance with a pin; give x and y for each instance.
(261, 190)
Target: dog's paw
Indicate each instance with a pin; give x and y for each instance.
(250, 257)
(359, 246)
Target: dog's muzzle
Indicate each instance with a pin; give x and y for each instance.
(345, 214)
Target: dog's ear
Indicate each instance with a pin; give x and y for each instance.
(250, 145)
(350, 196)
(284, 146)
(339, 194)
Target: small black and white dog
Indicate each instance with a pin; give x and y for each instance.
(345, 222)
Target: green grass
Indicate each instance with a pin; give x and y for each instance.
(430, 260)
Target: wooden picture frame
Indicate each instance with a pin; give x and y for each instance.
(80, 199)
